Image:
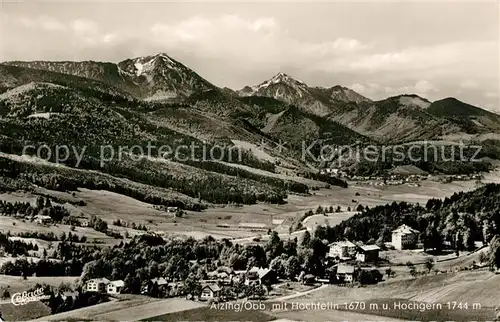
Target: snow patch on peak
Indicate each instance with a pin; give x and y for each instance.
(144, 65)
(138, 68)
(166, 58)
(278, 79)
(45, 115)
(147, 64)
(282, 77)
(414, 101)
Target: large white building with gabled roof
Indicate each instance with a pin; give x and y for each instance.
(404, 237)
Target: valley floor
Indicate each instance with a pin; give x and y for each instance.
(246, 224)
(242, 224)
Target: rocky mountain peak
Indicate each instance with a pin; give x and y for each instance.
(164, 77)
(282, 78)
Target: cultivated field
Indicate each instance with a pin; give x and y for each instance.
(15, 226)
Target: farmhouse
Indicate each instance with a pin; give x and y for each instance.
(367, 253)
(309, 279)
(263, 276)
(404, 237)
(239, 276)
(115, 287)
(160, 281)
(42, 219)
(97, 285)
(209, 292)
(332, 171)
(342, 249)
(66, 295)
(345, 273)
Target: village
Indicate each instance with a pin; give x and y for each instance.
(402, 175)
(346, 264)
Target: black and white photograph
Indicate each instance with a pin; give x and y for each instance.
(238, 161)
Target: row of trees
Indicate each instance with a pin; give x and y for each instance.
(50, 236)
(205, 186)
(16, 247)
(25, 209)
(133, 225)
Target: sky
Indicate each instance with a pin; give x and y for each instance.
(377, 48)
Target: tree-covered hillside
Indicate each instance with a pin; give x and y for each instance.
(460, 220)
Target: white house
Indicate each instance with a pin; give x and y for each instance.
(209, 292)
(342, 249)
(97, 285)
(115, 287)
(42, 219)
(404, 237)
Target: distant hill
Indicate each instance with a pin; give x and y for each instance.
(44, 113)
(402, 118)
(396, 119)
(295, 126)
(471, 118)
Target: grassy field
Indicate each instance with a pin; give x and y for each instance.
(29, 311)
(419, 311)
(159, 307)
(126, 308)
(332, 219)
(479, 288)
(15, 226)
(18, 284)
(417, 256)
(331, 315)
(206, 314)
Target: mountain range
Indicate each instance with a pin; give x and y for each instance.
(160, 78)
(157, 98)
